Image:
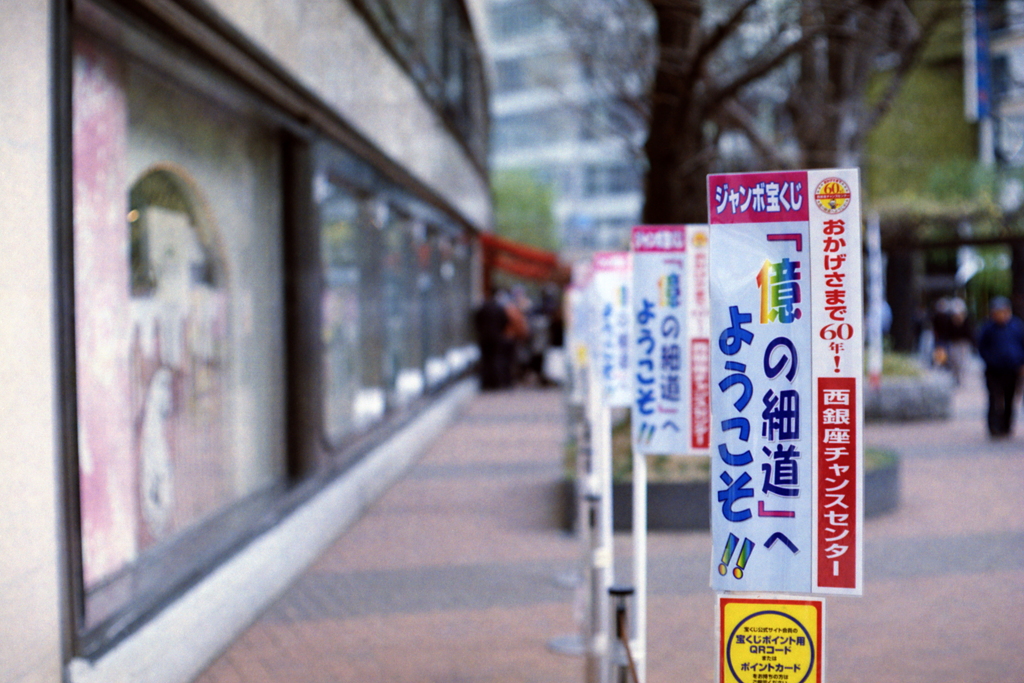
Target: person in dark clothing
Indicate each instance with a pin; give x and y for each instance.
(954, 336)
(490, 322)
(1001, 346)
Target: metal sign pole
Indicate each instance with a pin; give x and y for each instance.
(597, 508)
(639, 635)
(604, 553)
(588, 507)
(611, 388)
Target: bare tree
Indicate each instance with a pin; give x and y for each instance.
(786, 80)
(613, 42)
(854, 41)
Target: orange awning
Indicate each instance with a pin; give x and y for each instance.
(521, 260)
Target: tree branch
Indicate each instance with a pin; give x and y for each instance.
(908, 57)
(715, 39)
(716, 96)
(735, 115)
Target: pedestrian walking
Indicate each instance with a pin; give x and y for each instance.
(490, 321)
(1001, 347)
(960, 338)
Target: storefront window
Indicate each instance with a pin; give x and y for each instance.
(374, 375)
(254, 300)
(177, 360)
(436, 329)
(417, 308)
(178, 313)
(363, 257)
(401, 358)
(340, 216)
(462, 304)
(396, 278)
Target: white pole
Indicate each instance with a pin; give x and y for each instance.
(586, 529)
(639, 644)
(987, 141)
(876, 300)
(602, 553)
(605, 560)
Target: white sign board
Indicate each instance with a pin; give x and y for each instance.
(671, 355)
(577, 331)
(610, 320)
(786, 365)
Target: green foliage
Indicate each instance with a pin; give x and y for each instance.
(876, 459)
(994, 278)
(900, 365)
(961, 179)
(660, 468)
(523, 209)
(922, 146)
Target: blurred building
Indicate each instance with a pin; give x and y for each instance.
(240, 254)
(563, 110)
(1006, 106)
(1007, 112)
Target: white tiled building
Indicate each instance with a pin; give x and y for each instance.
(551, 120)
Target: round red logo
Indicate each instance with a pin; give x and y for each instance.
(832, 195)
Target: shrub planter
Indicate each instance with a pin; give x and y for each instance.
(686, 506)
(671, 506)
(882, 488)
(901, 399)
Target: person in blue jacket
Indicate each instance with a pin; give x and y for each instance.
(1001, 346)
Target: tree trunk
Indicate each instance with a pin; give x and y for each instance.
(903, 295)
(1017, 277)
(676, 176)
(675, 148)
(829, 118)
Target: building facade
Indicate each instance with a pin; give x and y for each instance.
(241, 252)
(559, 116)
(1006, 105)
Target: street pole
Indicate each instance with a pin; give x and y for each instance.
(639, 636)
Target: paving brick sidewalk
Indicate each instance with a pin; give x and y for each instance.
(454, 574)
(451, 576)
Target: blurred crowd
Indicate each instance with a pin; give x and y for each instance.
(519, 338)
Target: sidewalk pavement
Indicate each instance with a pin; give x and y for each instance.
(458, 573)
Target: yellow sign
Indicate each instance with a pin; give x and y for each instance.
(770, 641)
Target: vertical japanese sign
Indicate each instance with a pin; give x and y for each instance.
(577, 332)
(786, 343)
(671, 371)
(610, 317)
(837, 335)
(698, 262)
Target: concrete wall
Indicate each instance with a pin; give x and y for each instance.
(331, 51)
(30, 626)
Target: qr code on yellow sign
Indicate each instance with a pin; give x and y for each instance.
(766, 640)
